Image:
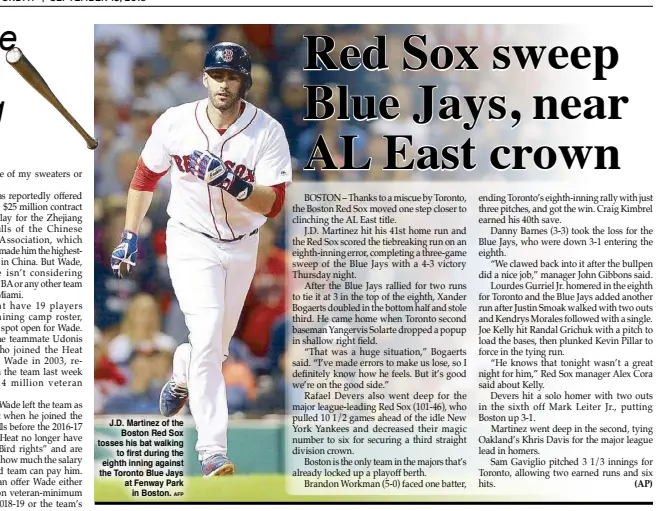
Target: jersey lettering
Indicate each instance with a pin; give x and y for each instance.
(182, 162)
(241, 171)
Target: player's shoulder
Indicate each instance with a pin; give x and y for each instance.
(173, 120)
(265, 120)
(180, 111)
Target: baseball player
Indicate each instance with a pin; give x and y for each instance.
(229, 164)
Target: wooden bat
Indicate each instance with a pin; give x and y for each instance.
(18, 61)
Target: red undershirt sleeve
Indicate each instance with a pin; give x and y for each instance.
(278, 202)
(144, 179)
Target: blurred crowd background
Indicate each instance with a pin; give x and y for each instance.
(140, 71)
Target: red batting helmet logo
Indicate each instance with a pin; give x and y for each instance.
(227, 55)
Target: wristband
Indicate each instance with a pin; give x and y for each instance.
(237, 187)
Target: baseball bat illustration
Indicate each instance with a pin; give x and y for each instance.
(18, 61)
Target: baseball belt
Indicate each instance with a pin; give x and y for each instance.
(240, 237)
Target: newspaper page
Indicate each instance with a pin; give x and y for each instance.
(378, 253)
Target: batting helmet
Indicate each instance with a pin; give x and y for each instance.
(232, 57)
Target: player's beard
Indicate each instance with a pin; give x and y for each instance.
(226, 104)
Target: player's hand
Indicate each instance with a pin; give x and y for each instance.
(204, 165)
(125, 253)
(196, 165)
(216, 173)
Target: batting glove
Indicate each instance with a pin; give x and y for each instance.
(195, 171)
(125, 253)
(217, 174)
